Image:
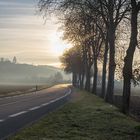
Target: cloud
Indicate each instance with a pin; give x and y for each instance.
(23, 34)
(18, 2)
(14, 8)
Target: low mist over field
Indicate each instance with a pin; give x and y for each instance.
(12, 73)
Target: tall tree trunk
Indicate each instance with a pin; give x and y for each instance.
(94, 88)
(74, 79)
(88, 77)
(82, 80)
(104, 69)
(128, 61)
(79, 82)
(112, 65)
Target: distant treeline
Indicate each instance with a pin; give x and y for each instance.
(14, 73)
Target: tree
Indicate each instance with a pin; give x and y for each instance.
(128, 61)
(71, 63)
(112, 12)
(104, 69)
(2, 59)
(83, 27)
(14, 60)
(78, 30)
(58, 77)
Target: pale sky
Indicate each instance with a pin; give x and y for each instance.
(23, 34)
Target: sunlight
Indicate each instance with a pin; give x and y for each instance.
(58, 45)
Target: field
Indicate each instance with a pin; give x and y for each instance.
(134, 101)
(10, 90)
(135, 91)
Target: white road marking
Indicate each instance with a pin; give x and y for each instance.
(52, 101)
(34, 108)
(45, 104)
(37, 107)
(17, 114)
(2, 120)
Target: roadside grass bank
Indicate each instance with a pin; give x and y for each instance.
(85, 117)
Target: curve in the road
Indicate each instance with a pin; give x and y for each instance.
(17, 120)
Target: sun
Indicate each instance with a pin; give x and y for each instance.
(58, 45)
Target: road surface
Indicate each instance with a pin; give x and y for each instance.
(18, 111)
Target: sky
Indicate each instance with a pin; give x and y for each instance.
(24, 34)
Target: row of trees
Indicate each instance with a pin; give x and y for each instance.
(94, 27)
(7, 60)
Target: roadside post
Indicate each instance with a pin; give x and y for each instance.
(36, 88)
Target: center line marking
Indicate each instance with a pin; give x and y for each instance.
(17, 114)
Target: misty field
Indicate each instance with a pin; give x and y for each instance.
(6, 90)
(10, 90)
(134, 100)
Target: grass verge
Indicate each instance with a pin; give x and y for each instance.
(87, 117)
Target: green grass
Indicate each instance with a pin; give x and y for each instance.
(86, 118)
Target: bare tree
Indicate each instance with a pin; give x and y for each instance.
(128, 61)
(112, 12)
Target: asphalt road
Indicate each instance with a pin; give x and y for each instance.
(18, 111)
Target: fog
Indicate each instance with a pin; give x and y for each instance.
(12, 73)
(118, 88)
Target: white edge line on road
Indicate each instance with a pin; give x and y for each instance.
(34, 108)
(45, 104)
(2, 120)
(52, 101)
(37, 107)
(17, 114)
